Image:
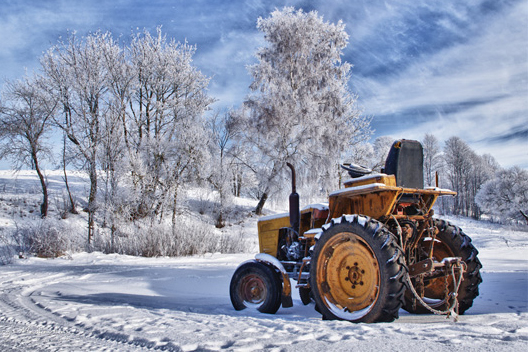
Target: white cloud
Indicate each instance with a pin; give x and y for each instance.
(477, 89)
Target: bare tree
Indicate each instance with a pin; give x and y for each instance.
(466, 172)
(458, 157)
(432, 158)
(165, 131)
(77, 75)
(223, 130)
(300, 109)
(381, 148)
(25, 122)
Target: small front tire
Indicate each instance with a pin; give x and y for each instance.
(255, 285)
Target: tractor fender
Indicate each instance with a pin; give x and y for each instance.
(270, 260)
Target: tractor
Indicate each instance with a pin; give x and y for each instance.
(374, 248)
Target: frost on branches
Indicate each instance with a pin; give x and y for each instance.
(505, 197)
(133, 112)
(300, 108)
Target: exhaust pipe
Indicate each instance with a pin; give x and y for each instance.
(295, 212)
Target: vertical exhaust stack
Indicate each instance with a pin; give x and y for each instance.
(295, 212)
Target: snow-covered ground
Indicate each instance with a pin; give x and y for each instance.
(98, 302)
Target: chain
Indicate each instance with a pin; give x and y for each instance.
(452, 311)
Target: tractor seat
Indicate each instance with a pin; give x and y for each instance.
(405, 162)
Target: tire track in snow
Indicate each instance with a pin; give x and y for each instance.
(25, 324)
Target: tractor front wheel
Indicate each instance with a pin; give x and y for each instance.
(357, 271)
(255, 285)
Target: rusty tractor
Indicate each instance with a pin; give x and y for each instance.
(374, 248)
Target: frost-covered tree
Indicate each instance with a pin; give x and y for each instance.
(432, 158)
(25, 124)
(458, 157)
(133, 111)
(505, 196)
(483, 168)
(165, 132)
(300, 109)
(466, 172)
(77, 76)
(381, 148)
(223, 169)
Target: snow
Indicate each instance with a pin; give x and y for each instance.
(99, 302)
(359, 188)
(273, 216)
(266, 258)
(318, 206)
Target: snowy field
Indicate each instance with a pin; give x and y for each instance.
(97, 302)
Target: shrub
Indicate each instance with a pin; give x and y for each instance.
(7, 250)
(47, 238)
(190, 237)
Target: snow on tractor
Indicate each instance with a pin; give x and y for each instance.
(372, 249)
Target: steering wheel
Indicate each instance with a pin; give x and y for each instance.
(355, 170)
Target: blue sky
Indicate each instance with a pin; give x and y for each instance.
(446, 67)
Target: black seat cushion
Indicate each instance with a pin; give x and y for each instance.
(405, 162)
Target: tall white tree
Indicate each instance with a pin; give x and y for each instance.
(300, 109)
(77, 77)
(166, 134)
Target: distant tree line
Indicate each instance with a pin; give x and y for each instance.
(483, 187)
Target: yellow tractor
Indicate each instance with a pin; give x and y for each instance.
(372, 249)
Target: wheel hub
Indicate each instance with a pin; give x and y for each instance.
(253, 289)
(355, 275)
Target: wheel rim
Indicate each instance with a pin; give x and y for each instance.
(348, 275)
(252, 290)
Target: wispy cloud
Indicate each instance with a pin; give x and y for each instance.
(447, 67)
(475, 88)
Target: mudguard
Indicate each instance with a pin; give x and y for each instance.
(286, 299)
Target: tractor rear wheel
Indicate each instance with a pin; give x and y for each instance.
(357, 271)
(450, 241)
(257, 286)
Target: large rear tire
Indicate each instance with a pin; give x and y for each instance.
(357, 271)
(255, 285)
(450, 241)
